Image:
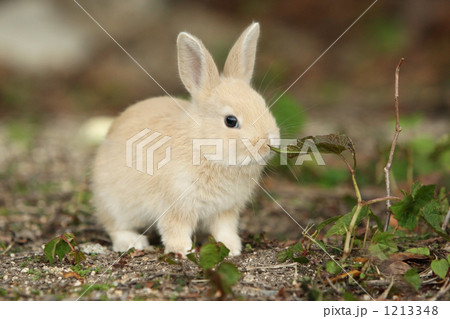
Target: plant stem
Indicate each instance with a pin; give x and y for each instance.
(360, 204)
(381, 199)
(351, 228)
(367, 231)
(446, 220)
(398, 129)
(67, 241)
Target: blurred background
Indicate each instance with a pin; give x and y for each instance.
(62, 78)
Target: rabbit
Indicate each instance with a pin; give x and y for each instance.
(183, 196)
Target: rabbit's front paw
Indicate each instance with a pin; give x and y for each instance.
(233, 243)
(125, 239)
(178, 247)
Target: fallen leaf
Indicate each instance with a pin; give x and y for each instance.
(361, 260)
(407, 256)
(72, 274)
(394, 268)
(137, 253)
(282, 293)
(352, 273)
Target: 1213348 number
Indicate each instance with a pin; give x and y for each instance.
(411, 310)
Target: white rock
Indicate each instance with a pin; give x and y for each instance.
(90, 248)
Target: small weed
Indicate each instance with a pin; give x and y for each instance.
(82, 271)
(222, 275)
(64, 246)
(37, 274)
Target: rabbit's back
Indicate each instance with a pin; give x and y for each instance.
(115, 183)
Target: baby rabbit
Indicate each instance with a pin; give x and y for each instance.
(211, 153)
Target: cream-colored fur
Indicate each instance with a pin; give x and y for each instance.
(212, 193)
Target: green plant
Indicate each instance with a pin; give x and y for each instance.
(412, 277)
(82, 271)
(440, 266)
(222, 275)
(293, 253)
(337, 144)
(421, 203)
(62, 246)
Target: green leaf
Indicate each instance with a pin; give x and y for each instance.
(168, 258)
(209, 256)
(283, 255)
(60, 247)
(341, 226)
(415, 187)
(49, 250)
(405, 212)
(327, 144)
(382, 245)
(412, 277)
(192, 257)
(326, 222)
(434, 218)
(332, 267)
(419, 251)
(377, 219)
(424, 194)
(440, 267)
(76, 256)
(408, 209)
(300, 260)
(213, 253)
(289, 254)
(223, 251)
(229, 275)
(297, 247)
(56, 247)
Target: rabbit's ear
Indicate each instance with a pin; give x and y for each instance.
(197, 69)
(241, 59)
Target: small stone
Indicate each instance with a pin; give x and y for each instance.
(90, 248)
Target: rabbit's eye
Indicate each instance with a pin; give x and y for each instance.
(231, 121)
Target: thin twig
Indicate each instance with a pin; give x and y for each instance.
(446, 220)
(385, 293)
(272, 266)
(381, 199)
(445, 287)
(332, 285)
(366, 232)
(377, 283)
(398, 129)
(8, 248)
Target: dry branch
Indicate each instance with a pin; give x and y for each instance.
(398, 129)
